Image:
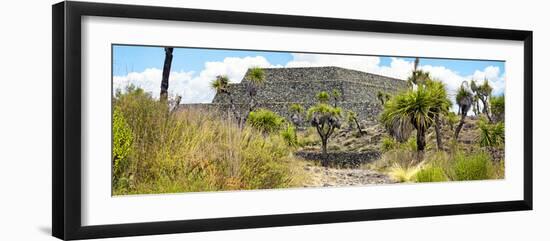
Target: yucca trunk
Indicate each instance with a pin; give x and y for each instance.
(166, 73)
(486, 109)
(420, 139)
(358, 126)
(438, 132)
(459, 127)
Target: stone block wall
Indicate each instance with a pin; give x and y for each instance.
(285, 86)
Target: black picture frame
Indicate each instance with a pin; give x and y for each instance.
(66, 127)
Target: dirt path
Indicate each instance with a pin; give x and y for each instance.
(328, 177)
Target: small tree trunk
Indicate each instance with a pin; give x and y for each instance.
(358, 126)
(438, 132)
(166, 73)
(459, 127)
(420, 139)
(486, 110)
(324, 162)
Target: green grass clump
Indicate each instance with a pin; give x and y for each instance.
(477, 166)
(265, 121)
(388, 143)
(431, 174)
(195, 150)
(402, 173)
(289, 135)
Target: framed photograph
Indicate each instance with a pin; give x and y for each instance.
(172, 120)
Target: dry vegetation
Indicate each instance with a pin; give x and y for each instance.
(189, 150)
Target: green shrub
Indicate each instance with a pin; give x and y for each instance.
(490, 135)
(289, 135)
(388, 143)
(122, 143)
(323, 97)
(477, 166)
(431, 174)
(497, 107)
(265, 121)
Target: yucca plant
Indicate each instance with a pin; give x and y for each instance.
(352, 118)
(221, 86)
(497, 108)
(325, 119)
(323, 97)
(441, 105)
(296, 113)
(254, 78)
(412, 108)
(464, 100)
(490, 135)
(265, 121)
(336, 95)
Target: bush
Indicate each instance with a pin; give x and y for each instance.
(289, 135)
(122, 144)
(431, 174)
(265, 121)
(477, 166)
(196, 150)
(388, 143)
(497, 107)
(490, 135)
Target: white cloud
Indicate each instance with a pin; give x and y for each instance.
(195, 88)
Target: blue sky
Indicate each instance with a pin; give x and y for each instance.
(194, 68)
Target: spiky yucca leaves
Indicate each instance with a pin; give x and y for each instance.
(323, 97)
(490, 135)
(441, 106)
(418, 77)
(255, 77)
(265, 121)
(221, 86)
(464, 100)
(325, 119)
(352, 118)
(296, 113)
(296, 108)
(411, 108)
(482, 93)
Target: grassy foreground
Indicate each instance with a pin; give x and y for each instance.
(160, 151)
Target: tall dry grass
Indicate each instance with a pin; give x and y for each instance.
(192, 150)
